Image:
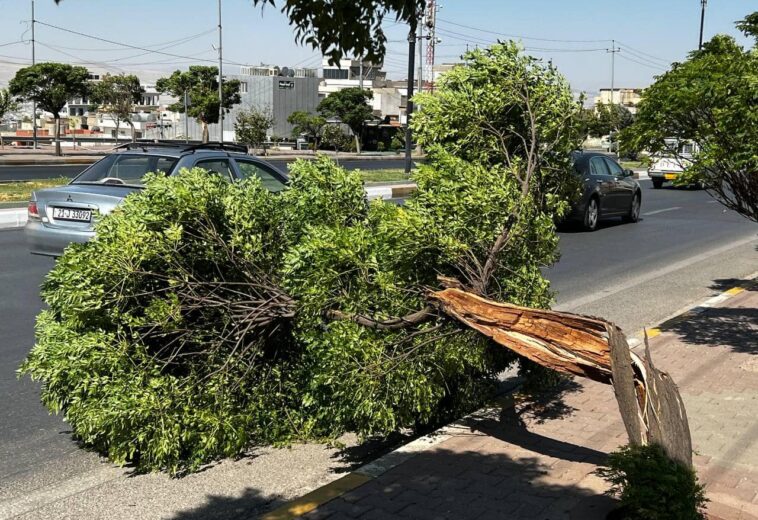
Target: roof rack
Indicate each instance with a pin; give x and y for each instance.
(144, 145)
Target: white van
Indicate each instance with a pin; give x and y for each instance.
(668, 166)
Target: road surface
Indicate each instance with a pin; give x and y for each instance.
(685, 248)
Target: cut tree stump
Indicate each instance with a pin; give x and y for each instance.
(648, 399)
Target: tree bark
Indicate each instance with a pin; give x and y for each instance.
(134, 131)
(206, 137)
(57, 134)
(649, 402)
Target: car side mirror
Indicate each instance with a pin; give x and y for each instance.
(628, 173)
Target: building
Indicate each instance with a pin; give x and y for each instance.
(626, 97)
(280, 90)
(349, 73)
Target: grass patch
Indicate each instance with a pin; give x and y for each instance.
(633, 165)
(386, 175)
(22, 191)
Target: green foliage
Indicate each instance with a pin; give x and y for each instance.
(206, 317)
(709, 100)
(201, 85)
(604, 119)
(334, 138)
(483, 112)
(7, 102)
(116, 96)
(652, 486)
(398, 140)
(351, 106)
(307, 124)
(252, 124)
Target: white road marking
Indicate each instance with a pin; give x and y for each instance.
(711, 202)
(660, 211)
(650, 275)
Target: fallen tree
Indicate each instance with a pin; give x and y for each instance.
(207, 317)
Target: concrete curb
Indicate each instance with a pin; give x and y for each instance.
(372, 470)
(52, 161)
(12, 218)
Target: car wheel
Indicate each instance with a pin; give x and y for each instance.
(657, 184)
(634, 209)
(591, 214)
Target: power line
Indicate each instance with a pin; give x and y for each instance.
(642, 52)
(627, 58)
(643, 59)
(171, 55)
(519, 35)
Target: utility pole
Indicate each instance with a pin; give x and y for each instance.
(186, 117)
(420, 40)
(34, 103)
(613, 52)
(360, 72)
(702, 21)
(220, 80)
(409, 102)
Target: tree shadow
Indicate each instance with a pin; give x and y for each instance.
(733, 327)
(482, 482)
(250, 504)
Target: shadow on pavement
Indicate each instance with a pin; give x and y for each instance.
(733, 327)
(472, 483)
(249, 505)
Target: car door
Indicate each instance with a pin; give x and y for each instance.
(271, 179)
(601, 175)
(623, 189)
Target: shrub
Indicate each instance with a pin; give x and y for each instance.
(652, 486)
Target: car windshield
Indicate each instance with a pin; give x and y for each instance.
(125, 169)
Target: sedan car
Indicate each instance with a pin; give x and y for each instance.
(607, 191)
(65, 214)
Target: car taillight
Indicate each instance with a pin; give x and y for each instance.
(32, 209)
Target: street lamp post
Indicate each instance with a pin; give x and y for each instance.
(703, 3)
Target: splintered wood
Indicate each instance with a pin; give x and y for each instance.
(648, 399)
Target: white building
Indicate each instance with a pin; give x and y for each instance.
(626, 97)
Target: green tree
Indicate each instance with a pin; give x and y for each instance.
(350, 106)
(51, 86)
(244, 317)
(251, 126)
(709, 100)
(7, 104)
(201, 85)
(116, 96)
(307, 124)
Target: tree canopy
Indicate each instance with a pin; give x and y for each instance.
(200, 83)
(351, 106)
(709, 100)
(7, 104)
(116, 96)
(252, 124)
(51, 86)
(240, 316)
(310, 125)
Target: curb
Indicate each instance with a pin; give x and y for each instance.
(335, 489)
(393, 191)
(12, 218)
(62, 161)
(368, 472)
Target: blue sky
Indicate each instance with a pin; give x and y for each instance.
(651, 34)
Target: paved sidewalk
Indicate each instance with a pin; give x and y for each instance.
(536, 460)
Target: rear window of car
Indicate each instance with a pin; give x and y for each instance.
(125, 169)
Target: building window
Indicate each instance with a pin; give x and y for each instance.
(243, 87)
(335, 73)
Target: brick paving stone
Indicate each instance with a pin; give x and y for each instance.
(527, 466)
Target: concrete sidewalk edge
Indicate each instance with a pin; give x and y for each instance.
(372, 470)
(12, 218)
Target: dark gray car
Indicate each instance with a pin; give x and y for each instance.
(59, 216)
(607, 191)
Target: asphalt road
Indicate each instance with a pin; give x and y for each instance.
(685, 248)
(25, 173)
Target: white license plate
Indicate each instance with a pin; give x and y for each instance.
(79, 215)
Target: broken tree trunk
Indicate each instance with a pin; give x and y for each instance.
(649, 402)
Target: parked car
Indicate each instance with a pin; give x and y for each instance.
(65, 214)
(607, 191)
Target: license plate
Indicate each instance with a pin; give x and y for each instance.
(79, 215)
(669, 176)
